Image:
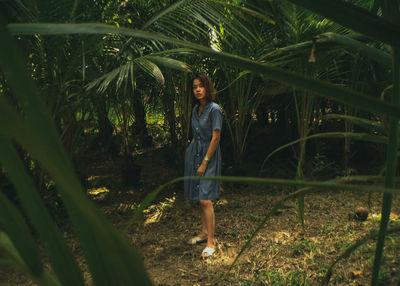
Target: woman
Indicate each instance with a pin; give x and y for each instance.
(203, 158)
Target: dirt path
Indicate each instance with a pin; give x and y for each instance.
(281, 254)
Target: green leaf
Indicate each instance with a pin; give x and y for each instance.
(197, 17)
(300, 202)
(150, 68)
(327, 42)
(318, 87)
(373, 234)
(355, 18)
(390, 9)
(356, 136)
(391, 167)
(367, 124)
(169, 63)
(270, 182)
(164, 12)
(349, 42)
(110, 258)
(7, 249)
(119, 74)
(13, 224)
(59, 255)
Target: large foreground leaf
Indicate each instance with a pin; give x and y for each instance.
(328, 185)
(372, 235)
(111, 260)
(13, 224)
(329, 42)
(391, 167)
(59, 256)
(347, 41)
(20, 247)
(318, 87)
(355, 18)
(369, 125)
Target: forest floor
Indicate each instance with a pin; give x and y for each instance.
(282, 253)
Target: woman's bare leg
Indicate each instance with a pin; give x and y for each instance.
(204, 230)
(208, 220)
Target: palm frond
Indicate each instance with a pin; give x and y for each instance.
(150, 68)
(329, 42)
(149, 65)
(105, 80)
(321, 88)
(169, 63)
(197, 17)
(354, 17)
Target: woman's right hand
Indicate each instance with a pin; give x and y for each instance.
(201, 170)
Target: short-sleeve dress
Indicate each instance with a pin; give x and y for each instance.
(202, 126)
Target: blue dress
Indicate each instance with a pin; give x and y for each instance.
(202, 126)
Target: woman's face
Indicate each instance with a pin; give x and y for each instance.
(199, 90)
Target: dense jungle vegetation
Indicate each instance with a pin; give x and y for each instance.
(95, 118)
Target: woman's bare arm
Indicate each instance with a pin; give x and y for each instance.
(216, 137)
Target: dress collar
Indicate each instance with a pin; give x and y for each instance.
(204, 108)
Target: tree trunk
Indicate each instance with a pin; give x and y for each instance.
(169, 109)
(106, 128)
(140, 127)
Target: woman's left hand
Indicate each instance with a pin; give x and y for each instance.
(201, 170)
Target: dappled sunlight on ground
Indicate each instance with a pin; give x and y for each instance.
(155, 212)
(282, 252)
(97, 191)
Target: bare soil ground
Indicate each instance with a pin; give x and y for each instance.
(282, 253)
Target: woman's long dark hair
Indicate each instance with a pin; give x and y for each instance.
(210, 90)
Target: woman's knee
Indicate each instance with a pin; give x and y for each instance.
(205, 203)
